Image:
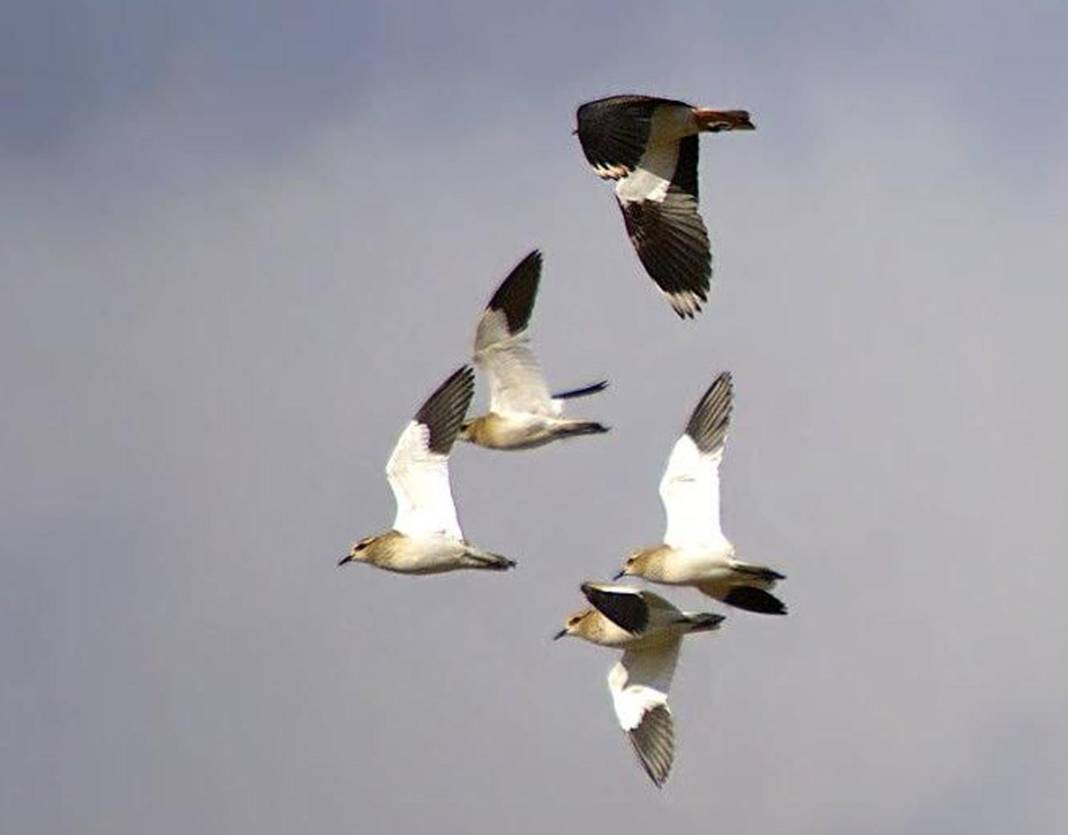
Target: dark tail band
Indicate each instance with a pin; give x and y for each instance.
(706, 621)
(755, 600)
(761, 572)
(585, 427)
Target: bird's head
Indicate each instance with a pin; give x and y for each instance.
(358, 552)
(572, 625)
(633, 565)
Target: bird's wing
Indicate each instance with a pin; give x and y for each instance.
(630, 608)
(623, 605)
(639, 684)
(418, 469)
(508, 312)
(659, 204)
(502, 349)
(614, 132)
(689, 488)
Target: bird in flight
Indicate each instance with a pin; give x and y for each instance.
(426, 537)
(694, 551)
(649, 147)
(649, 630)
(522, 413)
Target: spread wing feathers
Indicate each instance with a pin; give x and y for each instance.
(660, 213)
(418, 469)
(614, 132)
(630, 608)
(639, 684)
(502, 348)
(689, 488)
(712, 416)
(508, 312)
(444, 411)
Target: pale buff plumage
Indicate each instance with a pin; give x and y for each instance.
(695, 551)
(657, 620)
(523, 431)
(712, 571)
(649, 630)
(522, 413)
(426, 536)
(394, 551)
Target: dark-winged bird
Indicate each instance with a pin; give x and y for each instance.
(648, 146)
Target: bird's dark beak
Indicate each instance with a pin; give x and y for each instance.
(621, 573)
(344, 559)
(560, 634)
(574, 131)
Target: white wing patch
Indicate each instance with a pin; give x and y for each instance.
(492, 329)
(690, 493)
(639, 685)
(641, 681)
(420, 482)
(652, 178)
(517, 383)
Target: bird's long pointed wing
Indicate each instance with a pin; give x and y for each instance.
(639, 685)
(502, 348)
(659, 204)
(689, 488)
(630, 608)
(418, 469)
(614, 131)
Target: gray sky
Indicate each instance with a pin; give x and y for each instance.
(240, 246)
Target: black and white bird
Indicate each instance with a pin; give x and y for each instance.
(649, 630)
(426, 536)
(648, 146)
(694, 551)
(522, 413)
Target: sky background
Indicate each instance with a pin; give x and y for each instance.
(241, 242)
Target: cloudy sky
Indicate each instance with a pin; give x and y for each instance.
(240, 244)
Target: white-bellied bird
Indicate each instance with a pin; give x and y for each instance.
(522, 413)
(694, 551)
(426, 536)
(649, 630)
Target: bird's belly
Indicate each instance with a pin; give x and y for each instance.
(519, 432)
(608, 634)
(426, 556)
(690, 566)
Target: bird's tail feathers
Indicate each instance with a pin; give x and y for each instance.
(720, 120)
(574, 428)
(756, 600)
(758, 572)
(704, 621)
(487, 560)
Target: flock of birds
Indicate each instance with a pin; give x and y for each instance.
(649, 147)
